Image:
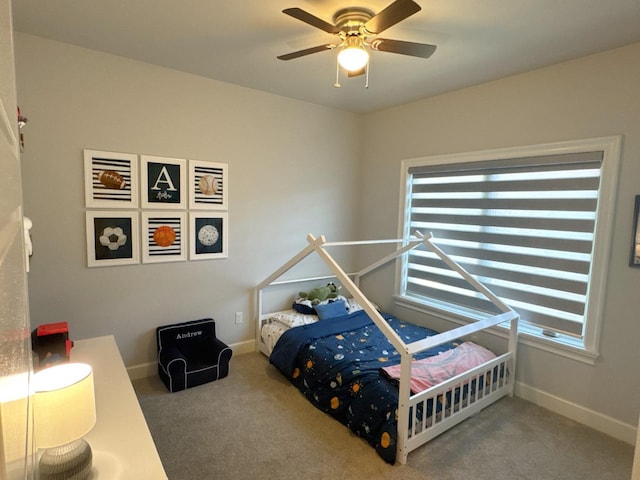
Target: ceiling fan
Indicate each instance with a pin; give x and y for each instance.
(357, 29)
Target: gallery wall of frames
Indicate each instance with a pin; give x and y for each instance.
(149, 209)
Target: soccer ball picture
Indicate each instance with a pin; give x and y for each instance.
(112, 238)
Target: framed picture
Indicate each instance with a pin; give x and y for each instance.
(112, 238)
(110, 179)
(208, 185)
(163, 182)
(164, 237)
(634, 259)
(208, 236)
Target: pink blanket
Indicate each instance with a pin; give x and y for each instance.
(430, 371)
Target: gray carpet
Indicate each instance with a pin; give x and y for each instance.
(255, 425)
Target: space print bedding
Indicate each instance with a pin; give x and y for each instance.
(347, 368)
(395, 384)
(336, 364)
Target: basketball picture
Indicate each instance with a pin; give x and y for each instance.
(163, 237)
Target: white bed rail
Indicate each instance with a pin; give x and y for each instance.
(437, 409)
(414, 430)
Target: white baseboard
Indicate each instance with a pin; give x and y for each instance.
(150, 369)
(142, 370)
(597, 421)
(243, 347)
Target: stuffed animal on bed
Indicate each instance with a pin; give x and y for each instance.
(320, 294)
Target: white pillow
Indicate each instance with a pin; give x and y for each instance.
(291, 318)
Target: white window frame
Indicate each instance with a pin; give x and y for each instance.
(587, 348)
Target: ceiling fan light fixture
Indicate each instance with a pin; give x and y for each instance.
(353, 56)
(357, 29)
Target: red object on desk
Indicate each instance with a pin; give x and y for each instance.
(52, 344)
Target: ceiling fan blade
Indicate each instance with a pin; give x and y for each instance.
(422, 50)
(312, 20)
(306, 51)
(394, 13)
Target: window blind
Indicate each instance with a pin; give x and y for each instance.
(523, 226)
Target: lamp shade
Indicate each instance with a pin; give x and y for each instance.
(14, 414)
(64, 404)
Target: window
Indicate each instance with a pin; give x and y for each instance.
(531, 223)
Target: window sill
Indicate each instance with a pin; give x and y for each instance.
(562, 345)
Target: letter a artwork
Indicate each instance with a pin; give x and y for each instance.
(164, 181)
(164, 177)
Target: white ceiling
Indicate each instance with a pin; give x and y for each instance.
(237, 41)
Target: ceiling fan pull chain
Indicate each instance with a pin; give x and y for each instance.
(337, 84)
(366, 82)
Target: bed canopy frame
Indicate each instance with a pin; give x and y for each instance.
(413, 430)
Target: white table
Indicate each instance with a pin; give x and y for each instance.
(121, 442)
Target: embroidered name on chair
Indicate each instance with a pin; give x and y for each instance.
(188, 334)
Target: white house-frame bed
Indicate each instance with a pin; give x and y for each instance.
(485, 383)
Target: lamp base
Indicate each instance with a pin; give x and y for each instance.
(66, 462)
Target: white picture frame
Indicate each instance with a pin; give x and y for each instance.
(164, 237)
(163, 183)
(208, 185)
(111, 179)
(112, 238)
(208, 235)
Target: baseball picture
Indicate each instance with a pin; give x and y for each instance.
(207, 185)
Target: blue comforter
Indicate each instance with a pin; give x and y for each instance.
(336, 364)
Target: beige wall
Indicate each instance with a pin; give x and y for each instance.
(292, 170)
(297, 168)
(591, 97)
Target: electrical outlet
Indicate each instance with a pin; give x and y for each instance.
(239, 318)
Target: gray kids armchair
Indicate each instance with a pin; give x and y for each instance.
(189, 354)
